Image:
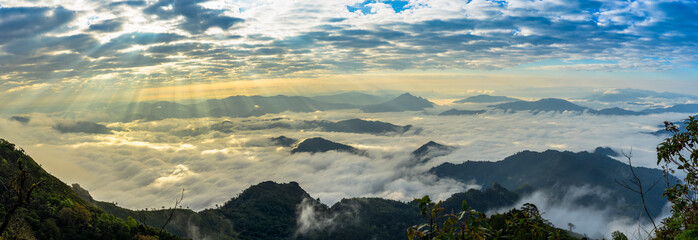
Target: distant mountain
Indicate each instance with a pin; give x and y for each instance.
(318, 145)
(82, 127)
(678, 108)
(404, 102)
(354, 98)
(616, 111)
(54, 210)
(559, 105)
(350, 126)
(663, 132)
(606, 151)
(361, 126)
(456, 112)
(543, 105)
(558, 171)
(283, 141)
(20, 119)
(234, 106)
(430, 150)
(484, 98)
(243, 106)
(633, 95)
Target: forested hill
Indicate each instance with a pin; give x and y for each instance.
(267, 210)
(556, 172)
(272, 210)
(36, 205)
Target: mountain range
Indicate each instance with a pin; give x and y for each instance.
(272, 210)
(557, 171)
(484, 98)
(404, 102)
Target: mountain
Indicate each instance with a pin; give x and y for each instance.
(559, 105)
(234, 106)
(20, 119)
(54, 210)
(267, 210)
(494, 197)
(617, 111)
(360, 126)
(606, 151)
(283, 141)
(678, 108)
(430, 150)
(350, 126)
(484, 98)
(543, 105)
(455, 112)
(354, 98)
(244, 106)
(82, 127)
(633, 95)
(404, 102)
(558, 171)
(272, 210)
(317, 145)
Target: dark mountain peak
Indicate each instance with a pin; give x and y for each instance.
(82, 127)
(616, 111)
(430, 150)
(606, 151)
(404, 102)
(270, 190)
(546, 104)
(283, 141)
(363, 126)
(318, 144)
(406, 95)
(82, 193)
(20, 119)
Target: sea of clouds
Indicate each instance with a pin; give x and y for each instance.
(145, 164)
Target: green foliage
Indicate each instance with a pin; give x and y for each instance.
(617, 235)
(524, 223)
(53, 210)
(680, 151)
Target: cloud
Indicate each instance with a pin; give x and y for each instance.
(110, 25)
(143, 164)
(22, 22)
(171, 42)
(197, 18)
(564, 207)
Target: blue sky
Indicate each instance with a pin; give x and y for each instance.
(97, 48)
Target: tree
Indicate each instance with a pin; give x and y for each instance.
(617, 235)
(634, 184)
(524, 223)
(680, 151)
(20, 189)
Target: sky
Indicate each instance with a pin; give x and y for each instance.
(54, 51)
